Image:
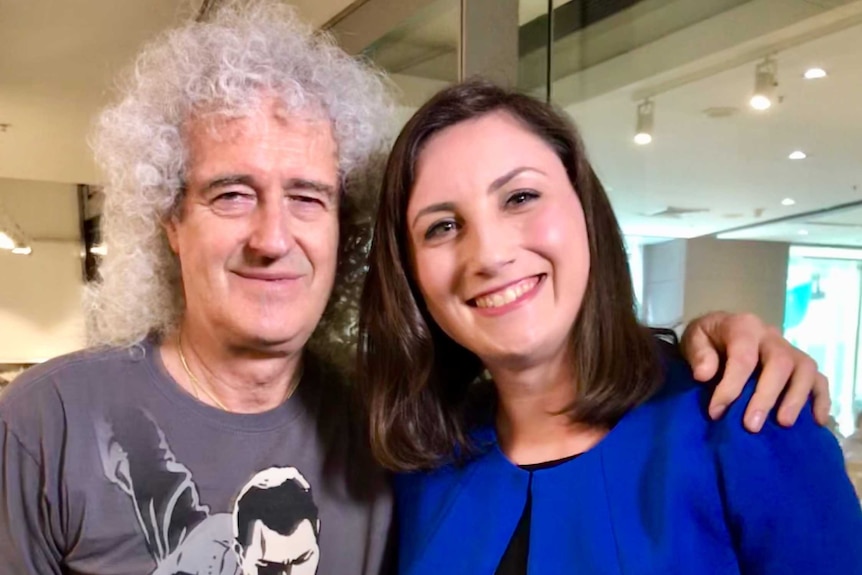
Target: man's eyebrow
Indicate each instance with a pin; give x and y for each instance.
(290, 184)
(228, 180)
(313, 185)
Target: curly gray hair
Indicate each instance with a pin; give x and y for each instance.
(226, 64)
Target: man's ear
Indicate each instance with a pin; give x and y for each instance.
(170, 226)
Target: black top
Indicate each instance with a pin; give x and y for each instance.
(514, 561)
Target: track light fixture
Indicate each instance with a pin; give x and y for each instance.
(765, 83)
(643, 133)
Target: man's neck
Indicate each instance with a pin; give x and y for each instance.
(239, 379)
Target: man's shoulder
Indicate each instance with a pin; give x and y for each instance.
(87, 366)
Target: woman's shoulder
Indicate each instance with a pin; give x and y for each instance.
(680, 399)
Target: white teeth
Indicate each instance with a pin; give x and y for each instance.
(507, 295)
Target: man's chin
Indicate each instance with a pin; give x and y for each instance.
(271, 341)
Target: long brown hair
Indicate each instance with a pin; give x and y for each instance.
(417, 380)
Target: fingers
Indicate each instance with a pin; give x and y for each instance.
(742, 356)
(698, 348)
(798, 391)
(822, 401)
(777, 370)
(700, 353)
(745, 340)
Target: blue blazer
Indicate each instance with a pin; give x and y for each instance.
(666, 491)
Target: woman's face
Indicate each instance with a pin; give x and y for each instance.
(498, 241)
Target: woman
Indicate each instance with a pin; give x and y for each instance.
(590, 450)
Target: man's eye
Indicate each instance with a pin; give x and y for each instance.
(521, 197)
(440, 229)
(233, 197)
(233, 203)
(305, 198)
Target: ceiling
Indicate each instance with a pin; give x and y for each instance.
(701, 174)
(715, 164)
(724, 163)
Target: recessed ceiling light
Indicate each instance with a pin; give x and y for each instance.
(22, 250)
(797, 155)
(788, 202)
(814, 73)
(802, 232)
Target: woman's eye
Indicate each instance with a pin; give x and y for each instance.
(440, 228)
(521, 197)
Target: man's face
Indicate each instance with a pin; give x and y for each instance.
(271, 553)
(257, 233)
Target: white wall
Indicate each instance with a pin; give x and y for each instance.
(687, 278)
(40, 303)
(664, 283)
(737, 276)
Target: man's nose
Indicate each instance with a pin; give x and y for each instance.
(271, 236)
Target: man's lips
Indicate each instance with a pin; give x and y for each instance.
(268, 276)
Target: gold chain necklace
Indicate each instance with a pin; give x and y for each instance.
(197, 387)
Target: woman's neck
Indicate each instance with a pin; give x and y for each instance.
(533, 425)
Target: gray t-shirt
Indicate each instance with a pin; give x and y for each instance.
(110, 467)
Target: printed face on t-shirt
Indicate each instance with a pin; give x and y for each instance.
(273, 553)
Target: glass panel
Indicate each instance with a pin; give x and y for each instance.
(822, 317)
(710, 167)
(421, 55)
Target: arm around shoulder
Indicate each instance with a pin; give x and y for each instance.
(788, 500)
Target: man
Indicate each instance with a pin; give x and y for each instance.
(277, 525)
(233, 161)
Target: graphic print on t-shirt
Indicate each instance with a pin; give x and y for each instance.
(273, 527)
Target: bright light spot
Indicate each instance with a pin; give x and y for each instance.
(760, 102)
(99, 250)
(788, 202)
(643, 138)
(802, 232)
(22, 250)
(814, 73)
(797, 155)
(6, 242)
